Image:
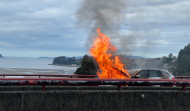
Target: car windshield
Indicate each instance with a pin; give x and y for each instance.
(143, 74)
(133, 72)
(166, 73)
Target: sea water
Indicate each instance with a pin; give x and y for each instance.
(32, 64)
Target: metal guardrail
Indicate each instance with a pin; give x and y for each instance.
(92, 80)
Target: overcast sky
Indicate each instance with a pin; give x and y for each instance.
(35, 28)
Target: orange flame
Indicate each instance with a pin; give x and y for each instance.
(110, 66)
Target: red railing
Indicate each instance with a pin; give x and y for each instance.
(49, 75)
(93, 82)
(72, 76)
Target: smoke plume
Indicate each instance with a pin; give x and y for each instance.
(110, 16)
(105, 14)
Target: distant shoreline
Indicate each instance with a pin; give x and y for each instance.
(73, 65)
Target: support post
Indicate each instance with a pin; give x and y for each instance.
(184, 87)
(119, 87)
(43, 87)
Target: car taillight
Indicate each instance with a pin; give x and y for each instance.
(173, 78)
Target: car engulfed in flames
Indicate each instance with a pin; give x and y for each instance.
(110, 66)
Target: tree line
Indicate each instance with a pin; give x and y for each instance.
(181, 66)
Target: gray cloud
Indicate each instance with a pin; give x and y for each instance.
(137, 27)
(27, 24)
(166, 21)
(146, 25)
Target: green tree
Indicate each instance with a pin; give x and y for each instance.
(87, 67)
(183, 62)
(66, 60)
(59, 60)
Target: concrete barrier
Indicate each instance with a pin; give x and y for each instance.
(93, 99)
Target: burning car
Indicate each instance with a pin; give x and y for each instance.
(150, 74)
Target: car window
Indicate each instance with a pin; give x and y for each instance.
(154, 73)
(159, 74)
(143, 74)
